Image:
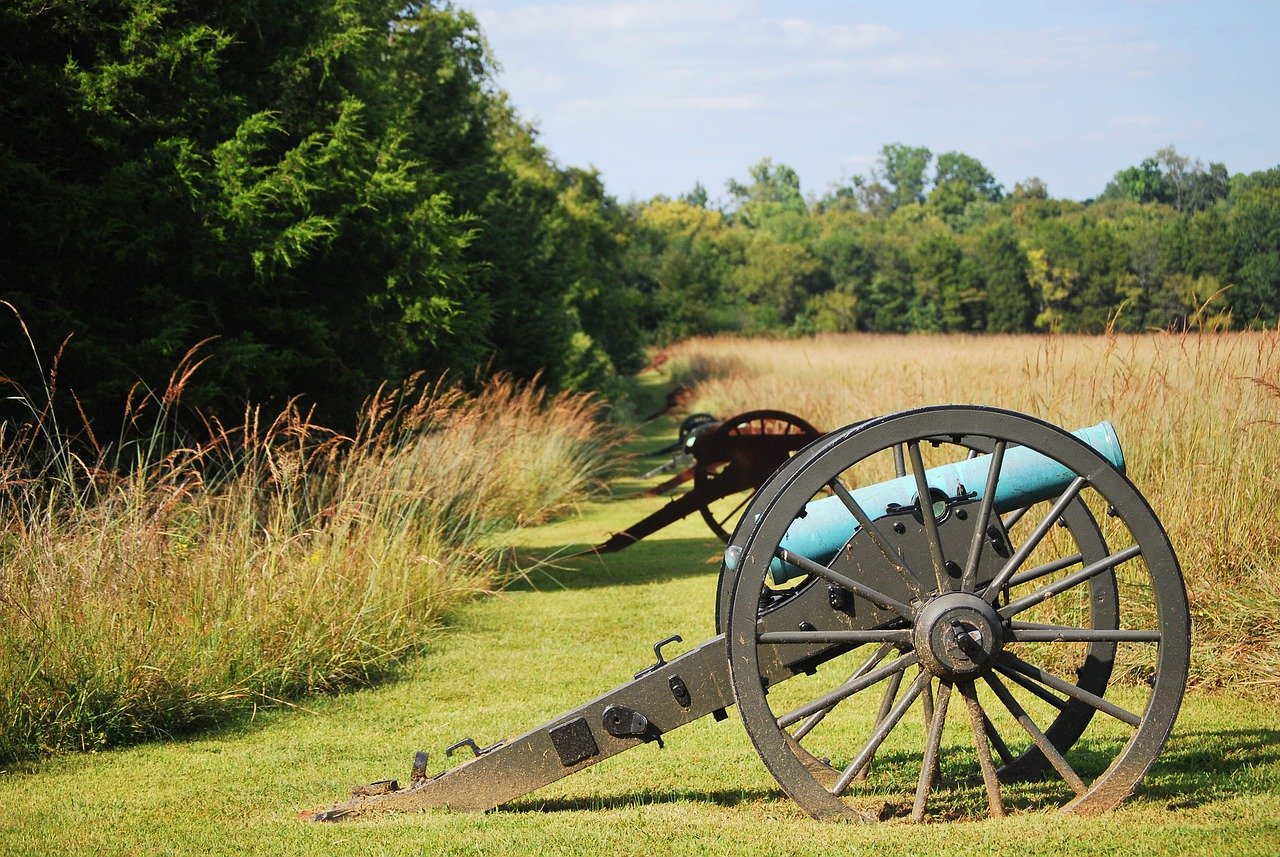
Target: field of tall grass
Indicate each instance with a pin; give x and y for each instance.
(1198, 415)
(152, 586)
(149, 586)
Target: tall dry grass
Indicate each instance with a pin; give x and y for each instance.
(1198, 415)
(145, 589)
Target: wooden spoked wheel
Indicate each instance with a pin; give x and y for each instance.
(738, 456)
(987, 658)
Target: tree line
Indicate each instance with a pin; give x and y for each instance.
(936, 244)
(333, 193)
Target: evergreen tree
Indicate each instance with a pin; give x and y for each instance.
(1012, 304)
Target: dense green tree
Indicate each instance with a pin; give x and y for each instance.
(1255, 222)
(842, 251)
(1030, 188)
(674, 254)
(1193, 186)
(1244, 182)
(1011, 302)
(1205, 187)
(967, 171)
(696, 197)
(903, 169)
(281, 176)
(949, 291)
(951, 199)
(604, 303)
(890, 294)
(334, 192)
(934, 263)
(960, 181)
(520, 241)
(1204, 244)
(772, 200)
(1142, 183)
(775, 279)
(1172, 178)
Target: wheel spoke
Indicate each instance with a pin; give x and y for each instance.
(1020, 556)
(902, 635)
(1031, 632)
(882, 730)
(1014, 517)
(877, 536)
(890, 694)
(1033, 688)
(1063, 686)
(926, 702)
(1074, 579)
(969, 579)
(995, 800)
(736, 509)
(997, 742)
(814, 719)
(872, 595)
(899, 461)
(1041, 570)
(926, 514)
(848, 689)
(930, 764)
(1041, 741)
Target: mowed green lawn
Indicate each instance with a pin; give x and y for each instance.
(509, 662)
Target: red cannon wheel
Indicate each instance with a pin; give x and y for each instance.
(735, 460)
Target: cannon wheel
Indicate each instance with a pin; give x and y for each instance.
(1097, 661)
(1019, 692)
(728, 484)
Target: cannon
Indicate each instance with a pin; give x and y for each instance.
(727, 461)
(943, 612)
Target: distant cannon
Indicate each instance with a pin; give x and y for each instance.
(727, 461)
(962, 561)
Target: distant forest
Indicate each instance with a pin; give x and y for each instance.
(334, 193)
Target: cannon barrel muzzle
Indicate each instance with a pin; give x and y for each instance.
(1026, 477)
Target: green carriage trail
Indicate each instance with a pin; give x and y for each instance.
(510, 661)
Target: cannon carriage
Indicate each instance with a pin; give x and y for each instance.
(727, 461)
(976, 605)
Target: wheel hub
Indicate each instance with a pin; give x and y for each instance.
(957, 635)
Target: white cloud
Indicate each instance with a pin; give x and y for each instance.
(1135, 120)
(1141, 129)
(584, 21)
(720, 103)
(808, 35)
(659, 102)
(1016, 142)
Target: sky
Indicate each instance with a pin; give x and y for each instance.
(661, 94)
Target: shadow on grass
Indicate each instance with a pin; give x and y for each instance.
(644, 562)
(642, 797)
(1195, 769)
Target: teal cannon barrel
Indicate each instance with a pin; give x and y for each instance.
(1026, 477)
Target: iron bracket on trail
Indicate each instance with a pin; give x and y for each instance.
(940, 562)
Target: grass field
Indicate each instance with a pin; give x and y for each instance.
(1197, 415)
(515, 659)
(187, 581)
